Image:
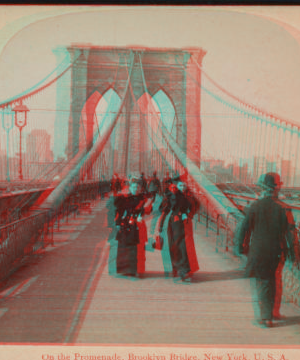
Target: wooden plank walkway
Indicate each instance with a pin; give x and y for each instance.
(67, 296)
(217, 308)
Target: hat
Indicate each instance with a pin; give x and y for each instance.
(177, 179)
(172, 188)
(133, 178)
(270, 180)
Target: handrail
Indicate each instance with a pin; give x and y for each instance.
(17, 238)
(294, 207)
(22, 220)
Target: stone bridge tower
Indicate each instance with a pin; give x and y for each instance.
(98, 69)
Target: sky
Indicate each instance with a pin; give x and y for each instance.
(253, 52)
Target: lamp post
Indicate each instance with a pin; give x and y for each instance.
(20, 121)
(7, 124)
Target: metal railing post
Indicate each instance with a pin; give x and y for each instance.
(207, 219)
(218, 232)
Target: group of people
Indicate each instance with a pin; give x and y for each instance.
(177, 202)
(267, 235)
(152, 185)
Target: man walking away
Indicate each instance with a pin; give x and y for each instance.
(267, 235)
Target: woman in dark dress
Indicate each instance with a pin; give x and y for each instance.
(183, 206)
(129, 211)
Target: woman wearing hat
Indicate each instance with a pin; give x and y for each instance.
(129, 211)
(270, 227)
(182, 206)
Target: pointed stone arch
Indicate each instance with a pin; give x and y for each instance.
(167, 110)
(153, 70)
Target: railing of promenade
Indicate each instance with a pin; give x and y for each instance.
(17, 239)
(69, 193)
(15, 206)
(222, 228)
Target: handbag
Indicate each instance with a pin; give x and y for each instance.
(158, 243)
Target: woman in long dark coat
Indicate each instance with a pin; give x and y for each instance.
(183, 206)
(129, 211)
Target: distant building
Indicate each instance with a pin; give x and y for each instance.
(223, 174)
(270, 166)
(236, 172)
(244, 174)
(38, 146)
(259, 167)
(212, 177)
(38, 154)
(286, 172)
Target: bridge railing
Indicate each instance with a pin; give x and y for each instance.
(290, 280)
(15, 206)
(17, 239)
(220, 225)
(80, 199)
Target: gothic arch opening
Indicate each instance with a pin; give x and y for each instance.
(155, 111)
(104, 113)
(97, 114)
(167, 111)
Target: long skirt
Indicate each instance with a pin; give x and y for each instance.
(127, 259)
(141, 253)
(182, 249)
(177, 246)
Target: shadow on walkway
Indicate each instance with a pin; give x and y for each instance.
(288, 321)
(218, 276)
(198, 277)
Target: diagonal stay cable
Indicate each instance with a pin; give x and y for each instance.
(66, 186)
(217, 199)
(140, 112)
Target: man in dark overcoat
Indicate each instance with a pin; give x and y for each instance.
(267, 235)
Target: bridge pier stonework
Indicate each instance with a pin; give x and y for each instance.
(177, 72)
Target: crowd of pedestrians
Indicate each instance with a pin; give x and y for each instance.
(133, 199)
(267, 234)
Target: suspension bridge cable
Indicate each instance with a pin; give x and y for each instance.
(154, 143)
(82, 124)
(244, 103)
(67, 184)
(136, 103)
(95, 117)
(220, 202)
(108, 106)
(190, 151)
(265, 114)
(232, 105)
(37, 87)
(219, 98)
(23, 202)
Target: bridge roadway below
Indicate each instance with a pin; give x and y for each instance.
(65, 295)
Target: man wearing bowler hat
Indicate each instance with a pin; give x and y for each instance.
(267, 235)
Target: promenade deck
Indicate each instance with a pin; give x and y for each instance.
(66, 295)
